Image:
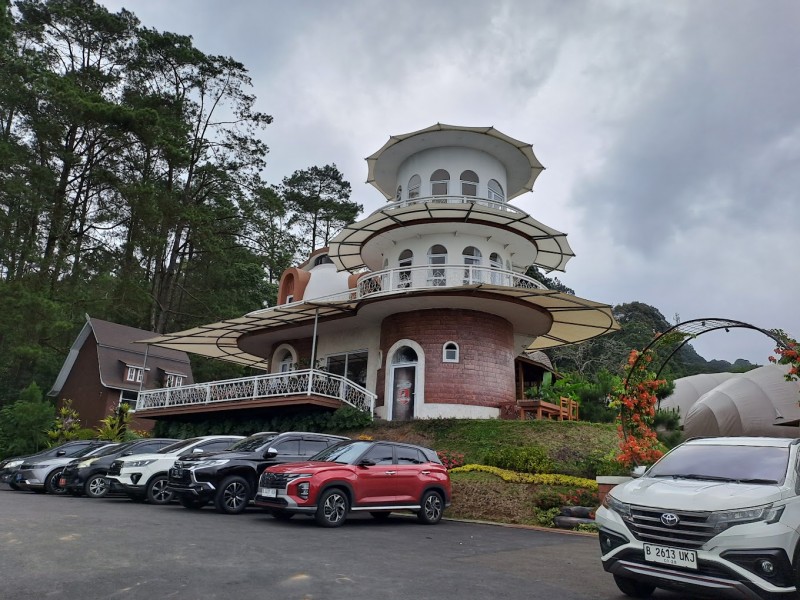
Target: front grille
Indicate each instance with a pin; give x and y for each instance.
(177, 475)
(691, 531)
(115, 468)
(274, 480)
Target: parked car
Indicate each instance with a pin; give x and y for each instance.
(145, 475)
(229, 478)
(43, 474)
(714, 517)
(377, 477)
(88, 475)
(10, 466)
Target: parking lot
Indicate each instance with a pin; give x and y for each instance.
(81, 548)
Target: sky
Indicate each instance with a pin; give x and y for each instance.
(670, 131)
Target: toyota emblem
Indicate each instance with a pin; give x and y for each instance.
(670, 519)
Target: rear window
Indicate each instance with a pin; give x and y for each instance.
(752, 464)
(253, 443)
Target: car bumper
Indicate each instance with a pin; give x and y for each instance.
(727, 565)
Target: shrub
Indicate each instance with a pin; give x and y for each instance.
(544, 518)
(527, 459)
(451, 460)
(541, 479)
(580, 497)
(66, 426)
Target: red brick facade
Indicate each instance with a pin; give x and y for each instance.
(484, 375)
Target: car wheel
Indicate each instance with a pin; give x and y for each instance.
(157, 492)
(233, 495)
(192, 503)
(633, 588)
(96, 486)
(51, 483)
(332, 508)
(432, 508)
(281, 515)
(380, 516)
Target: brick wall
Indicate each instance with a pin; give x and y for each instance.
(484, 375)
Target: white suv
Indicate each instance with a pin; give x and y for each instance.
(144, 476)
(715, 516)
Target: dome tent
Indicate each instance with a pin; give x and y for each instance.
(755, 403)
(688, 390)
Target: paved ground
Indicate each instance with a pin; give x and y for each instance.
(84, 549)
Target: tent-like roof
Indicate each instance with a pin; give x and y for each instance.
(688, 390)
(749, 404)
(522, 166)
(574, 320)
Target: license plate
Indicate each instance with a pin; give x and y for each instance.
(268, 492)
(666, 555)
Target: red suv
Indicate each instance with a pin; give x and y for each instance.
(377, 477)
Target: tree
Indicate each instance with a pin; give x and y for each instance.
(24, 423)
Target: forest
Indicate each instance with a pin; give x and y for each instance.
(132, 190)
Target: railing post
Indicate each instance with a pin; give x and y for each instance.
(208, 393)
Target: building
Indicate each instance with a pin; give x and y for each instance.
(422, 309)
(106, 367)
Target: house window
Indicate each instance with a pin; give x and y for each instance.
(413, 186)
(406, 258)
(450, 352)
(289, 299)
(173, 380)
(134, 374)
(399, 195)
(472, 258)
(351, 365)
(437, 255)
(495, 191)
(496, 263)
(440, 180)
(129, 397)
(323, 259)
(469, 183)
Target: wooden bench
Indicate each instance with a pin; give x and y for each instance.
(565, 410)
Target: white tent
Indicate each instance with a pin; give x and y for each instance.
(688, 390)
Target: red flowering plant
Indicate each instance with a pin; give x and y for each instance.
(636, 401)
(788, 354)
(451, 460)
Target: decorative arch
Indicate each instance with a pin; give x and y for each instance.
(280, 355)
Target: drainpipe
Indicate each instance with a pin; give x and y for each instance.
(313, 350)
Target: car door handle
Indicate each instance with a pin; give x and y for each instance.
(424, 472)
(391, 472)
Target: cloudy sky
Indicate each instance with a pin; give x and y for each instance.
(670, 130)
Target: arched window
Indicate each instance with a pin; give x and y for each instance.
(413, 186)
(472, 257)
(406, 259)
(496, 264)
(323, 259)
(469, 183)
(437, 255)
(440, 181)
(496, 191)
(450, 352)
(399, 195)
(404, 355)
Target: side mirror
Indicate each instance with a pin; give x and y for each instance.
(638, 471)
(270, 453)
(366, 463)
(61, 453)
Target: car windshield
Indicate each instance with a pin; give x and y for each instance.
(179, 445)
(346, 452)
(743, 464)
(85, 451)
(107, 449)
(252, 443)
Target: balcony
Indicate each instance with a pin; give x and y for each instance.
(260, 390)
(494, 204)
(440, 276)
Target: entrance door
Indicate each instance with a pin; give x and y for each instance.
(404, 374)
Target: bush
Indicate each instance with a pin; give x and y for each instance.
(527, 459)
(451, 460)
(605, 464)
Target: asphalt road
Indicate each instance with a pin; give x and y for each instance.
(83, 549)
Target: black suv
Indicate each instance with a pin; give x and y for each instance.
(10, 466)
(88, 476)
(229, 478)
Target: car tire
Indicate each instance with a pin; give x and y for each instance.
(51, 483)
(233, 495)
(332, 508)
(281, 515)
(14, 486)
(157, 492)
(432, 507)
(380, 515)
(192, 503)
(634, 589)
(96, 486)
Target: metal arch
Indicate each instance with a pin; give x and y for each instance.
(691, 330)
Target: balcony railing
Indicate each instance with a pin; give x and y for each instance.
(436, 276)
(495, 204)
(277, 385)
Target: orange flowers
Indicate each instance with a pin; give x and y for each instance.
(788, 355)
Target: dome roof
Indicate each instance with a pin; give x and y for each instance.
(688, 390)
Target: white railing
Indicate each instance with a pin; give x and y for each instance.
(504, 206)
(277, 385)
(436, 276)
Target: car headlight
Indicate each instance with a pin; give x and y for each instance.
(292, 476)
(210, 463)
(724, 519)
(621, 508)
(12, 464)
(138, 463)
(85, 463)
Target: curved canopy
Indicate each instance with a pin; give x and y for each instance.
(688, 390)
(522, 166)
